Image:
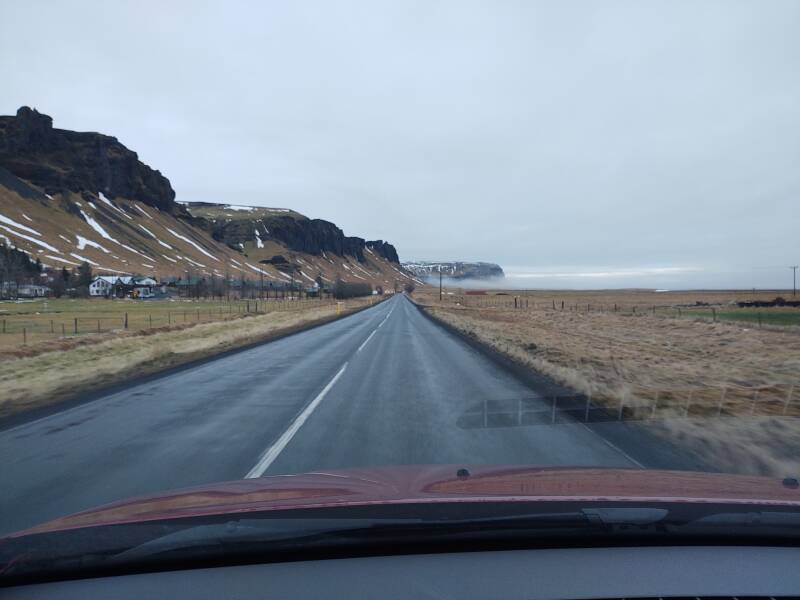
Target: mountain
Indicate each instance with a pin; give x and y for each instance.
(455, 270)
(68, 197)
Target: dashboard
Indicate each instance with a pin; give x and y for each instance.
(574, 573)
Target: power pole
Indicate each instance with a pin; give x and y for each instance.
(440, 283)
(794, 280)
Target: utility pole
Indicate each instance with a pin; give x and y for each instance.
(794, 280)
(440, 283)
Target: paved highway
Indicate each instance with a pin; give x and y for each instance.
(385, 386)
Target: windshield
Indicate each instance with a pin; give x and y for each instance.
(336, 255)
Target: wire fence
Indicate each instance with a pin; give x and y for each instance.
(779, 316)
(27, 329)
(729, 401)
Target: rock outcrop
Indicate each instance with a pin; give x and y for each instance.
(57, 160)
(384, 249)
(86, 163)
(236, 227)
(456, 270)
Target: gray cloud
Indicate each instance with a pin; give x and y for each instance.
(568, 137)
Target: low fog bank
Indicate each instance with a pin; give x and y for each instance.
(658, 278)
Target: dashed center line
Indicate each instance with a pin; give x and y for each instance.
(364, 343)
(271, 453)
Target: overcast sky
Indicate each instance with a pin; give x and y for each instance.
(575, 143)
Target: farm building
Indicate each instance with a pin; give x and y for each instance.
(123, 286)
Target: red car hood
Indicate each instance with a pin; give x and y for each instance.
(434, 484)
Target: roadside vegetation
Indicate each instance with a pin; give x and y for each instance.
(697, 369)
(28, 327)
(64, 367)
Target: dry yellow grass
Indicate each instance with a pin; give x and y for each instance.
(72, 367)
(657, 366)
(32, 326)
(749, 445)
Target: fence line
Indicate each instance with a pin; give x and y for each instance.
(584, 408)
(24, 329)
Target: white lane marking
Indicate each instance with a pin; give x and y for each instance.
(386, 318)
(615, 447)
(271, 453)
(361, 347)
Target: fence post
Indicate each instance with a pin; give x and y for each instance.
(169, 318)
(588, 401)
(63, 332)
(98, 325)
(788, 399)
(721, 400)
(714, 313)
(198, 314)
(126, 320)
(555, 399)
(75, 324)
(655, 406)
(151, 320)
(621, 407)
(24, 336)
(688, 403)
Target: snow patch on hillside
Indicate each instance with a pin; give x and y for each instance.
(83, 242)
(153, 235)
(44, 245)
(113, 206)
(83, 259)
(20, 226)
(188, 241)
(98, 228)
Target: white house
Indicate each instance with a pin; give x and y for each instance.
(123, 285)
(103, 285)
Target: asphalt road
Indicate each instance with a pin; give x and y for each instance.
(385, 386)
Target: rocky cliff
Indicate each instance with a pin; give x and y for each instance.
(58, 160)
(238, 225)
(89, 165)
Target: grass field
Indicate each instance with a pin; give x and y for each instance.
(780, 317)
(714, 385)
(59, 368)
(29, 325)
